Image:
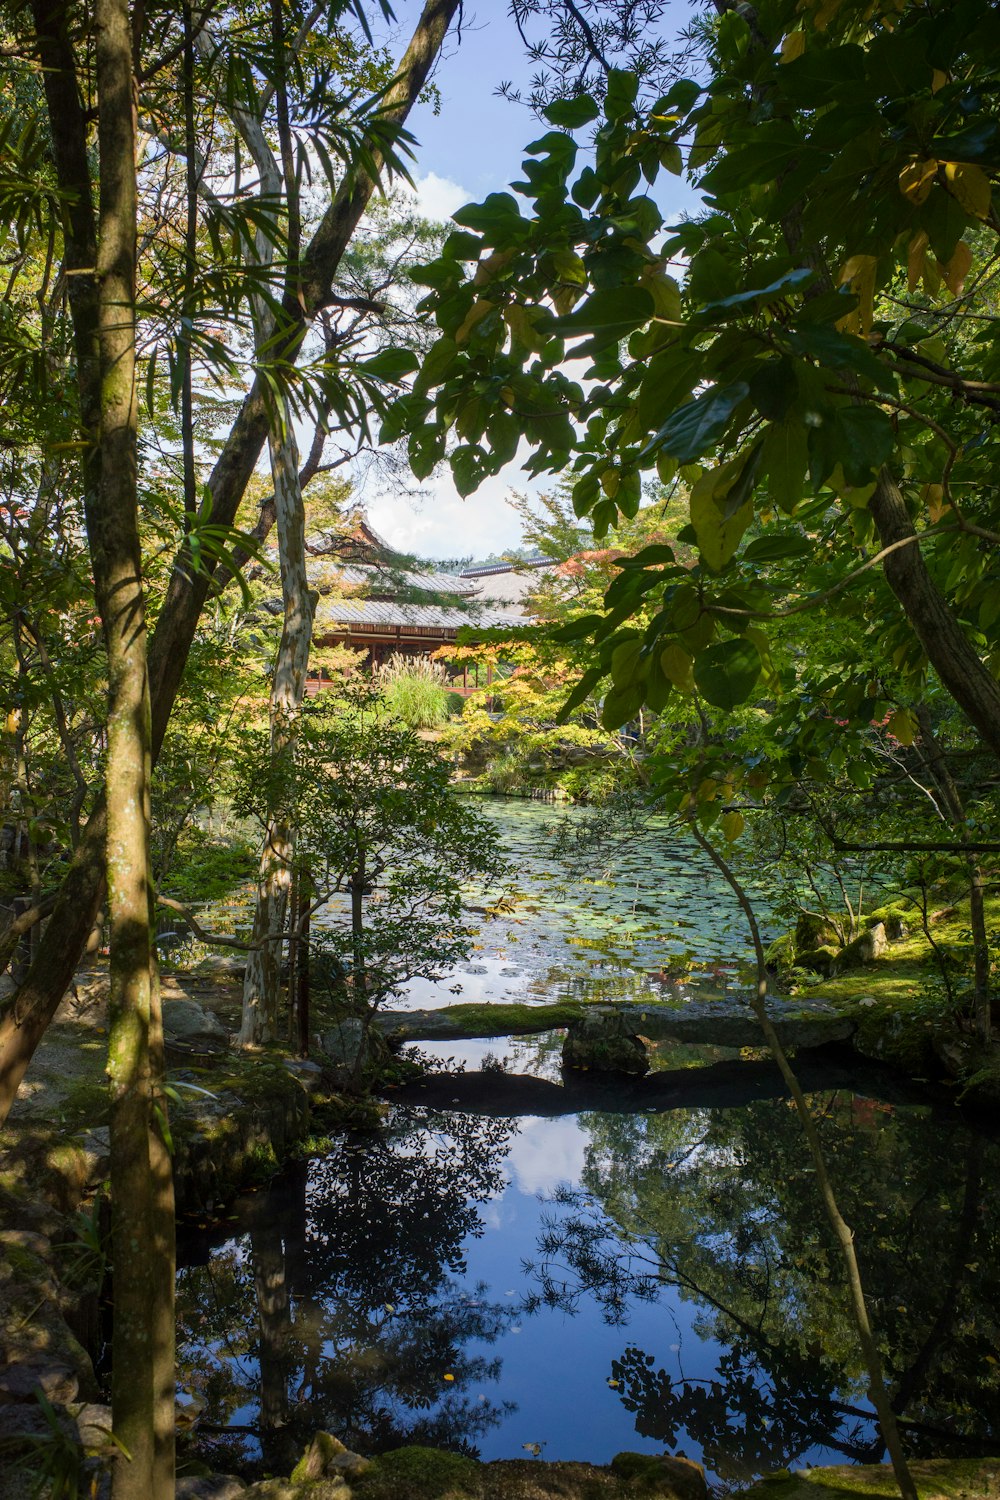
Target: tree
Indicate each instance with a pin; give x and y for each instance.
(385, 849)
(202, 547)
(826, 368)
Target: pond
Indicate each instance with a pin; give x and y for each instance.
(648, 918)
(602, 1282)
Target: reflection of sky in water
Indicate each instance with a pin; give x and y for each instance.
(652, 921)
(551, 1382)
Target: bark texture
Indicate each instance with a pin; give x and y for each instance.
(934, 622)
(141, 1379)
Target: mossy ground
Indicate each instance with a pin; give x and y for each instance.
(508, 1019)
(935, 1479)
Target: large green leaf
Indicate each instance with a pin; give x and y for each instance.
(571, 113)
(612, 312)
(727, 674)
(696, 427)
(784, 459)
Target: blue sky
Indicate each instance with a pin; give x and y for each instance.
(473, 146)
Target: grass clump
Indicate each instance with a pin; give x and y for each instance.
(420, 1474)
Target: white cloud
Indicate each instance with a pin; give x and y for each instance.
(439, 197)
(547, 1153)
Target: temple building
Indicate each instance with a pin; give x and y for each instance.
(373, 601)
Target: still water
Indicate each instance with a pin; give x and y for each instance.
(642, 917)
(599, 1282)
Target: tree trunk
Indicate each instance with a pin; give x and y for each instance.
(262, 982)
(82, 892)
(934, 622)
(142, 1366)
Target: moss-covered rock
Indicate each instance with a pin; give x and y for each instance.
(815, 931)
(818, 960)
(420, 1474)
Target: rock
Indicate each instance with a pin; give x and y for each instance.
(93, 1427)
(814, 931)
(187, 1021)
(27, 1239)
(818, 960)
(209, 1487)
(935, 1479)
(605, 1043)
(21, 1382)
(293, 1489)
(347, 1045)
(864, 949)
(308, 1074)
(895, 927)
(327, 1458)
(662, 1474)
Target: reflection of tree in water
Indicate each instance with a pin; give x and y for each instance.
(343, 1310)
(722, 1206)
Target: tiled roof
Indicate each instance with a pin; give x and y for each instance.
(369, 614)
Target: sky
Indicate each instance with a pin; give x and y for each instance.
(472, 146)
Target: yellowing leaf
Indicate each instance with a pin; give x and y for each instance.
(916, 255)
(859, 273)
(477, 312)
(902, 726)
(970, 185)
(917, 178)
(719, 535)
(678, 668)
(793, 46)
(932, 496)
(449, 1375)
(938, 80)
(570, 267)
(732, 825)
(957, 269)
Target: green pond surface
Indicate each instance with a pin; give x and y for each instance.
(647, 919)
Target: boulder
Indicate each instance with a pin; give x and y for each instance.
(187, 1021)
(603, 1042)
(814, 931)
(328, 1458)
(294, 1489)
(209, 1487)
(864, 949)
(818, 960)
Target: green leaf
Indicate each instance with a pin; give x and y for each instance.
(727, 674)
(773, 292)
(784, 459)
(612, 312)
(582, 691)
(621, 705)
(670, 378)
(391, 364)
(572, 113)
(777, 545)
(697, 426)
(469, 467)
(625, 662)
(497, 216)
(621, 95)
(648, 557)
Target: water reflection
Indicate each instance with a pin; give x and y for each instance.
(608, 1281)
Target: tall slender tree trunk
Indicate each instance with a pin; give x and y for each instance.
(82, 892)
(142, 1359)
(262, 981)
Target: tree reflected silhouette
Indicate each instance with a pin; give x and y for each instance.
(344, 1307)
(721, 1206)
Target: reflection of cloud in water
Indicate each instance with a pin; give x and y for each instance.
(546, 1154)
